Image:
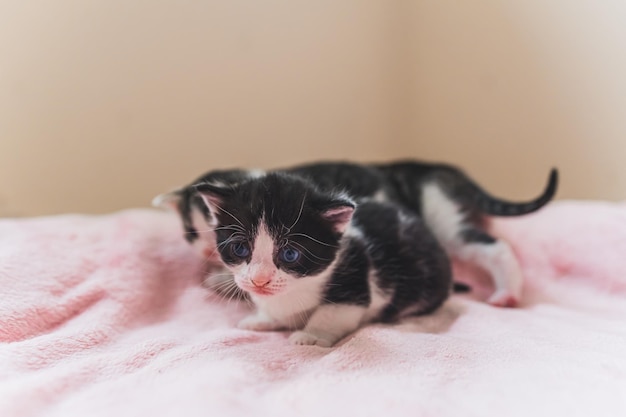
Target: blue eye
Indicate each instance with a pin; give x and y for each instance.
(289, 255)
(240, 249)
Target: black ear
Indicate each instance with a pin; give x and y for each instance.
(214, 195)
(339, 213)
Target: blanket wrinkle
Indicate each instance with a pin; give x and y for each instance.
(106, 315)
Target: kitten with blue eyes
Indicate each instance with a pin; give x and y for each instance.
(451, 205)
(316, 262)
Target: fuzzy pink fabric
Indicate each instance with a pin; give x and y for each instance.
(105, 316)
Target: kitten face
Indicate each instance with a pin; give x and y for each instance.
(276, 230)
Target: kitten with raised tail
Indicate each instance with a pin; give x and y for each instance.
(316, 262)
(451, 205)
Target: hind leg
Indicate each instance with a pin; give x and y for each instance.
(468, 242)
(496, 257)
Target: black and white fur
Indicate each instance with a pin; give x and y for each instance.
(451, 205)
(354, 263)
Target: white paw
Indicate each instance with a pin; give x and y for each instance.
(304, 338)
(262, 324)
(503, 298)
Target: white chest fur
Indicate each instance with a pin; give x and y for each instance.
(296, 303)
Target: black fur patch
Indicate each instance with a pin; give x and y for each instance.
(359, 181)
(477, 236)
(184, 208)
(461, 287)
(410, 265)
(349, 281)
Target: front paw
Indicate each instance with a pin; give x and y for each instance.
(304, 338)
(262, 324)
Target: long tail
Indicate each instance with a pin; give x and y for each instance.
(498, 207)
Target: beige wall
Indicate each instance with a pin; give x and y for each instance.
(510, 88)
(105, 104)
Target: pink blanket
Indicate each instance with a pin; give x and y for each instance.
(106, 316)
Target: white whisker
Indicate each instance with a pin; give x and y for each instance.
(313, 239)
(230, 214)
(299, 214)
(309, 252)
(230, 227)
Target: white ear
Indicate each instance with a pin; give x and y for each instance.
(212, 202)
(168, 200)
(340, 216)
(213, 195)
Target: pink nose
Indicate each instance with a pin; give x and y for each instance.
(261, 281)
